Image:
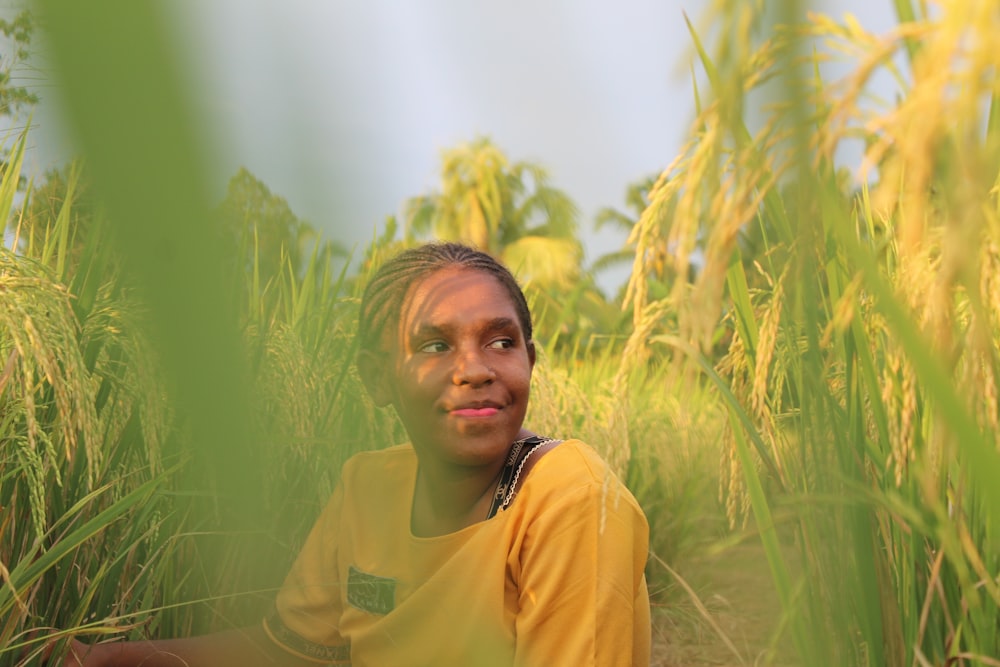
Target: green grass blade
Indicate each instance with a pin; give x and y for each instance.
(27, 571)
(63, 225)
(983, 460)
(739, 292)
(11, 177)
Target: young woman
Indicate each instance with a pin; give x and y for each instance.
(478, 542)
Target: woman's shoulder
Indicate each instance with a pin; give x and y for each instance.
(574, 458)
(572, 480)
(574, 466)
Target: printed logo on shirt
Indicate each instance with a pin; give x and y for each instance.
(367, 592)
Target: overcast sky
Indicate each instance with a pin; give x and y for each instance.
(345, 107)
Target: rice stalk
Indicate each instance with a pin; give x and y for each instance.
(48, 372)
(864, 334)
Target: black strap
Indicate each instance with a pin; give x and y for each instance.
(517, 451)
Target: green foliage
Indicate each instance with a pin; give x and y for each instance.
(15, 99)
(84, 440)
(279, 240)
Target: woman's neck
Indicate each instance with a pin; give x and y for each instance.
(447, 498)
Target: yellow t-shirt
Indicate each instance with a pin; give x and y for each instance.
(555, 579)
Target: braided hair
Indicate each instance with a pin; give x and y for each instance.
(384, 294)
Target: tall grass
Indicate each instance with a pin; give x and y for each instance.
(104, 527)
(84, 437)
(861, 380)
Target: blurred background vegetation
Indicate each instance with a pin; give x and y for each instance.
(800, 377)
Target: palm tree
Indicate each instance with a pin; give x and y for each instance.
(508, 210)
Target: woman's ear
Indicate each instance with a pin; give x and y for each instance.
(531, 353)
(373, 371)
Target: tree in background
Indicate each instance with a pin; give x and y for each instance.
(269, 234)
(508, 210)
(263, 230)
(13, 98)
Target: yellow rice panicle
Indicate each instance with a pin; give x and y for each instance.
(769, 324)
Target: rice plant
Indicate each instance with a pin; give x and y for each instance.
(861, 376)
(84, 436)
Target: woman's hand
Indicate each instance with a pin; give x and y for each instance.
(81, 655)
(242, 647)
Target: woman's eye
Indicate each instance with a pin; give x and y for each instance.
(501, 344)
(434, 346)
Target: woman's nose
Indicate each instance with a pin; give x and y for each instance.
(471, 368)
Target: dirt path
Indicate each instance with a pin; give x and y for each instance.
(735, 588)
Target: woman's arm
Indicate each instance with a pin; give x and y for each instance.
(247, 647)
(307, 588)
(582, 590)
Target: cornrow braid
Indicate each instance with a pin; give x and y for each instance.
(384, 294)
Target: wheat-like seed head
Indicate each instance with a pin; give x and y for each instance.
(766, 343)
(561, 406)
(39, 324)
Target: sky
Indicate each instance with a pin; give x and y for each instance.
(344, 108)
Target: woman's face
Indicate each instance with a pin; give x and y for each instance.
(461, 368)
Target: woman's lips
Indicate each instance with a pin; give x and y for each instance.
(475, 412)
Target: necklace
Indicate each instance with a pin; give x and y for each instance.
(517, 475)
(511, 472)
